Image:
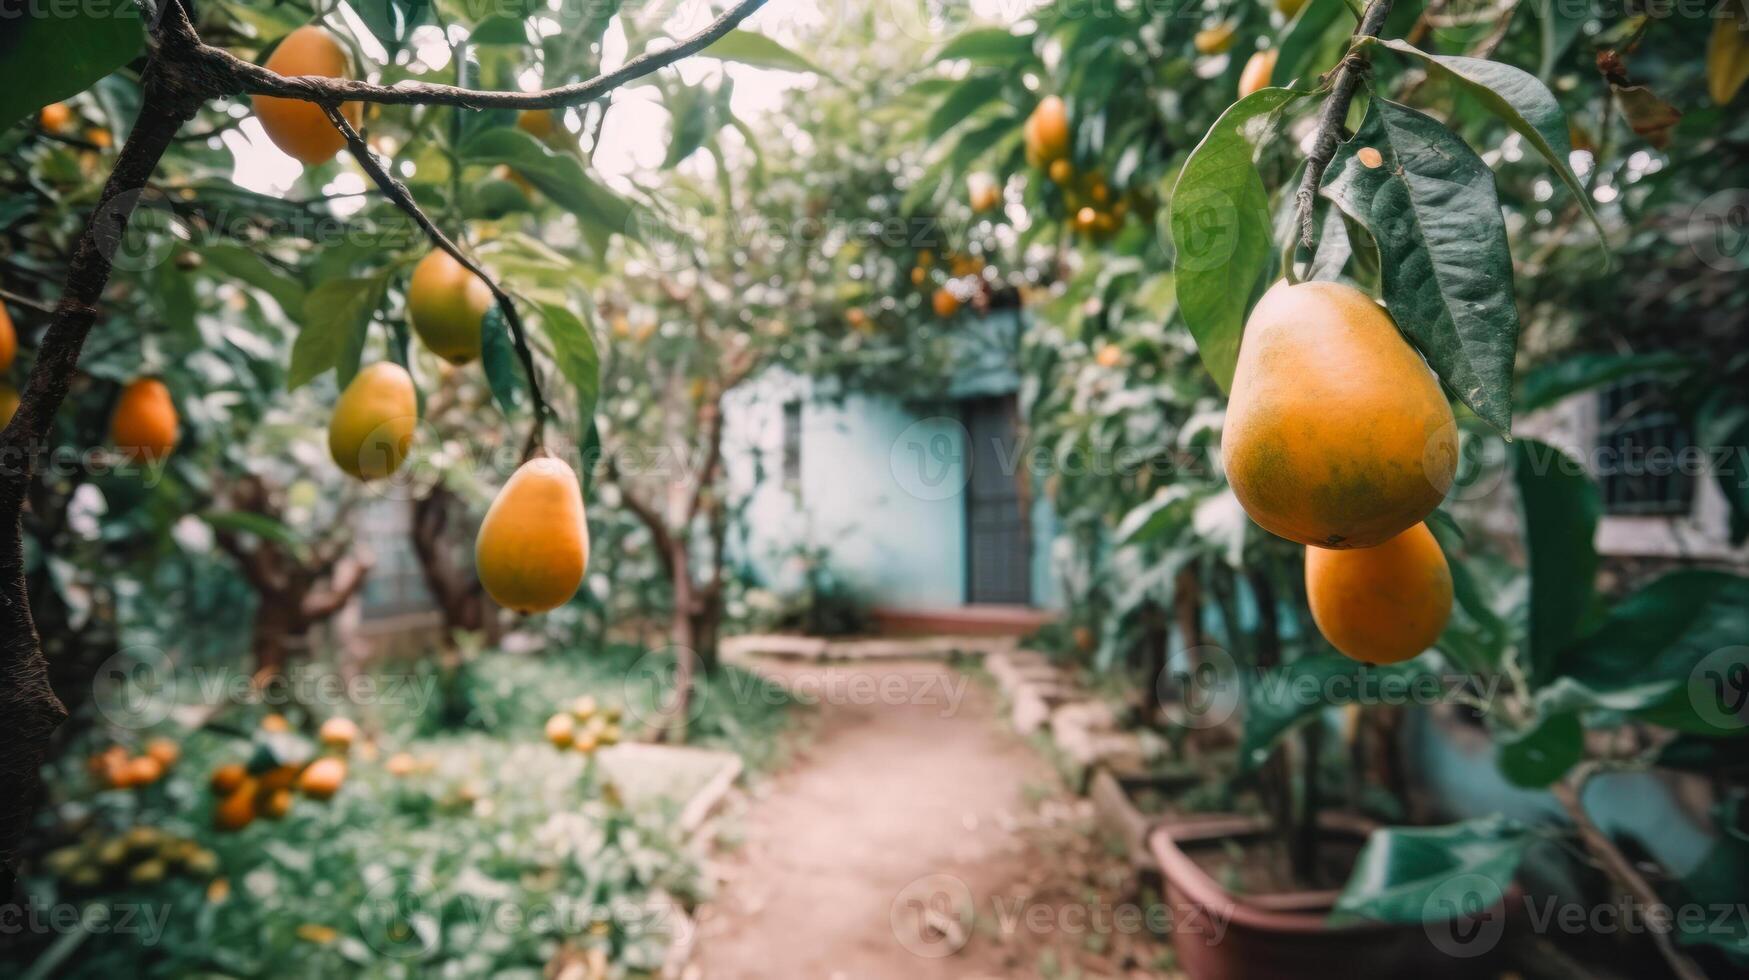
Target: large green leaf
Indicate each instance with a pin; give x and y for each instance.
(1220, 228)
(561, 177)
(1522, 102)
(1279, 699)
(1431, 206)
(1571, 373)
(965, 98)
(697, 113)
(334, 314)
(1304, 35)
(1722, 423)
(498, 360)
(759, 51)
(574, 351)
(45, 59)
(1562, 20)
(1543, 754)
(988, 45)
(239, 264)
(1434, 874)
(392, 21)
(1560, 507)
(1686, 629)
(1715, 882)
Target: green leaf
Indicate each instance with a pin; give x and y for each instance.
(334, 313)
(500, 29)
(1562, 20)
(759, 51)
(575, 352)
(1570, 373)
(46, 59)
(1539, 757)
(1168, 510)
(1304, 35)
(986, 45)
(1715, 882)
(1434, 874)
(1220, 228)
(1281, 698)
(963, 100)
(240, 264)
(697, 113)
(392, 21)
(1722, 423)
(1560, 506)
(1334, 248)
(1523, 103)
(498, 360)
(561, 177)
(260, 525)
(1431, 206)
(1687, 630)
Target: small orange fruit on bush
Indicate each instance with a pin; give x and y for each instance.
(55, 116)
(8, 340)
(276, 804)
(228, 777)
(1257, 72)
(300, 128)
(1109, 356)
(534, 541)
(1383, 604)
(560, 729)
(946, 304)
(1047, 132)
(1337, 434)
(165, 750)
(144, 426)
(144, 770)
(372, 427)
(338, 732)
(275, 722)
(237, 810)
(322, 778)
(447, 303)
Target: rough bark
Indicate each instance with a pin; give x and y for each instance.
(454, 587)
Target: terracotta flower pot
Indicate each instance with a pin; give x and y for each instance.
(1218, 935)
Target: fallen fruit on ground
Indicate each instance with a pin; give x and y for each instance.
(1337, 433)
(446, 303)
(401, 764)
(144, 425)
(237, 810)
(534, 542)
(301, 128)
(1384, 604)
(1257, 72)
(228, 777)
(1047, 132)
(560, 729)
(373, 422)
(338, 732)
(322, 779)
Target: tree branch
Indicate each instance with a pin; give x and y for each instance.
(402, 198)
(1335, 112)
(252, 79)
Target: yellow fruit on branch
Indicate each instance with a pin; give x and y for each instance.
(446, 303)
(55, 116)
(1047, 132)
(301, 128)
(534, 542)
(1337, 434)
(536, 122)
(372, 427)
(144, 425)
(144, 770)
(946, 304)
(322, 779)
(1383, 604)
(1257, 72)
(1062, 171)
(338, 732)
(8, 340)
(1214, 40)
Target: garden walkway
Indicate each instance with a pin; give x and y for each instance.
(900, 813)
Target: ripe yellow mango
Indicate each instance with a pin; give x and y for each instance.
(1047, 132)
(446, 303)
(1257, 72)
(534, 543)
(144, 426)
(301, 128)
(1337, 434)
(1381, 605)
(373, 422)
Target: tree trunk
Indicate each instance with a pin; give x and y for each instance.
(684, 643)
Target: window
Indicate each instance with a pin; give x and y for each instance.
(395, 585)
(792, 442)
(1641, 443)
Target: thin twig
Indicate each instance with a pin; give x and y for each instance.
(1335, 112)
(402, 198)
(252, 79)
(26, 302)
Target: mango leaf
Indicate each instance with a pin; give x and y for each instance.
(961, 101)
(1434, 874)
(561, 178)
(760, 51)
(333, 314)
(1523, 103)
(575, 352)
(1716, 882)
(1279, 699)
(500, 29)
(1431, 206)
(1334, 248)
(392, 21)
(1302, 36)
(1167, 511)
(1560, 506)
(1220, 228)
(697, 113)
(1562, 20)
(46, 59)
(1542, 755)
(1572, 373)
(986, 45)
(238, 264)
(498, 360)
(260, 525)
(1685, 630)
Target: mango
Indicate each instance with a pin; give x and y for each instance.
(534, 542)
(447, 303)
(1381, 605)
(144, 425)
(372, 427)
(300, 128)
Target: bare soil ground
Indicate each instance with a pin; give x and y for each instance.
(915, 836)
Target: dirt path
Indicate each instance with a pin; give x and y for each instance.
(867, 857)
